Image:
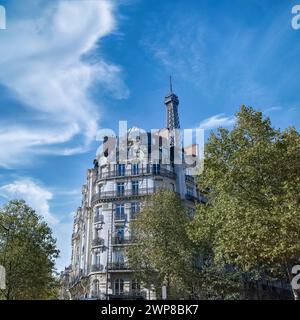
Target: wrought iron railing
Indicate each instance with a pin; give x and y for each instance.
(118, 266)
(98, 242)
(119, 216)
(97, 267)
(129, 295)
(127, 193)
(122, 240)
(189, 179)
(98, 218)
(145, 170)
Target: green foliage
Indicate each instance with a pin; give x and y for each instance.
(28, 252)
(163, 252)
(214, 282)
(252, 179)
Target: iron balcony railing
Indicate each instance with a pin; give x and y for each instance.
(126, 193)
(118, 266)
(97, 267)
(98, 218)
(128, 295)
(119, 216)
(189, 179)
(122, 240)
(147, 170)
(98, 242)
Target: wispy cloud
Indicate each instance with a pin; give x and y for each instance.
(33, 193)
(272, 109)
(179, 46)
(44, 64)
(216, 121)
(229, 61)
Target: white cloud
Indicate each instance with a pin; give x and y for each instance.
(34, 194)
(41, 64)
(217, 121)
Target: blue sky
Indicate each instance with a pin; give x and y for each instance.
(68, 68)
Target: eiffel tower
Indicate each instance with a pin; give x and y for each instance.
(172, 102)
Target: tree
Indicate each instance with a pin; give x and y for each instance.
(162, 252)
(252, 182)
(28, 252)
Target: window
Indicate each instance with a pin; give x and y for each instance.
(98, 216)
(119, 233)
(135, 168)
(135, 209)
(96, 289)
(119, 259)
(121, 170)
(156, 168)
(97, 259)
(148, 168)
(120, 189)
(120, 212)
(172, 186)
(135, 187)
(119, 286)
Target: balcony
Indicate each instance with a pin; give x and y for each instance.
(144, 170)
(111, 195)
(117, 240)
(97, 268)
(98, 242)
(99, 218)
(189, 179)
(120, 216)
(118, 266)
(131, 295)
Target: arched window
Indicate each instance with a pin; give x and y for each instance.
(119, 286)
